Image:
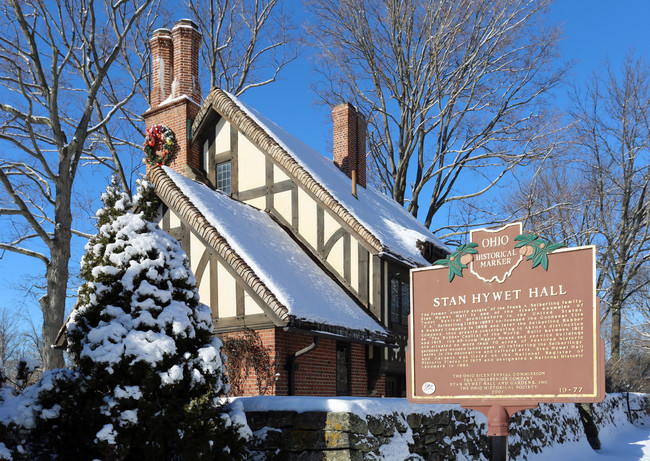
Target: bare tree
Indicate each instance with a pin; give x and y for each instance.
(245, 43)
(602, 195)
(118, 145)
(613, 135)
(20, 357)
(555, 202)
(10, 338)
(454, 90)
(63, 84)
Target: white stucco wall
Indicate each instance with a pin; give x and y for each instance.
(222, 133)
(227, 293)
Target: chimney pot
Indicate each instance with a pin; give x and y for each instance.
(187, 43)
(161, 66)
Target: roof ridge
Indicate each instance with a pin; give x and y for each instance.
(169, 192)
(238, 116)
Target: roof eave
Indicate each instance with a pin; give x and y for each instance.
(174, 198)
(376, 338)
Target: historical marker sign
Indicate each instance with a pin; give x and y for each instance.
(510, 320)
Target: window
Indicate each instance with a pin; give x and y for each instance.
(343, 371)
(223, 177)
(399, 301)
(206, 155)
(395, 385)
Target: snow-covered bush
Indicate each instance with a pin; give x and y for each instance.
(148, 370)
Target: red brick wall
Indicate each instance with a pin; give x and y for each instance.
(359, 384)
(250, 384)
(316, 372)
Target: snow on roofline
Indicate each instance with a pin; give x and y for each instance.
(396, 230)
(309, 295)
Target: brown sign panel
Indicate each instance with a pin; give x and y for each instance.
(509, 319)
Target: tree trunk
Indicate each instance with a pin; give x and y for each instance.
(616, 333)
(618, 287)
(53, 304)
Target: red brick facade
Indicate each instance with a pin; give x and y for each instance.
(175, 91)
(316, 371)
(350, 141)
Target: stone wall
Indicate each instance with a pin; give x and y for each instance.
(439, 433)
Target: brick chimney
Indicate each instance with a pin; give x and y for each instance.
(350, 142)
(175, 94)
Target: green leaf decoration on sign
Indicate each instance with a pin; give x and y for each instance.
(457, 260)
(540, 249)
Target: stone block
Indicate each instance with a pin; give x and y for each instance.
(443, 418)
(301, 440)
(429, 420)
(311, 420)
(326, 455)
(414, 420)
(346, 422)
(267, 439)
(343, 455)
(400, 424)
(375, 425)
(336, 439)
(430, 439)
(278, 419)
(363, 443)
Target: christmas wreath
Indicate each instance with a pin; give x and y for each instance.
(158, 137)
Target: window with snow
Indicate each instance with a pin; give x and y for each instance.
(223, 177)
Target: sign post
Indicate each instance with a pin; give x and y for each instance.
(504, 323)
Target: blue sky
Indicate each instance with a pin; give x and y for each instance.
(593, 30)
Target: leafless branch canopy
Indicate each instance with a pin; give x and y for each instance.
(245, 43)
(67, 71)
(600, 195)
(454, 91)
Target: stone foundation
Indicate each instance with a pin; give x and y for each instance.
(443, 433)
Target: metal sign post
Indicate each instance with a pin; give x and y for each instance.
(504, 323)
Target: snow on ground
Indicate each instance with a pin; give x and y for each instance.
(624, 444)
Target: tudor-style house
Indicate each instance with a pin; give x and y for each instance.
(281, 239)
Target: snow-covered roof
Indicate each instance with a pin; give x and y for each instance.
(388, 225)
(308, 295)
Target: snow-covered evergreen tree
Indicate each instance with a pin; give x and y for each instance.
(148, 370)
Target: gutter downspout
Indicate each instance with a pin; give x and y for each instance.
(292, 366)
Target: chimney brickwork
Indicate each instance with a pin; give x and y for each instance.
(175, 91)
(350, 141)
(161, 62)
(187, 43)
